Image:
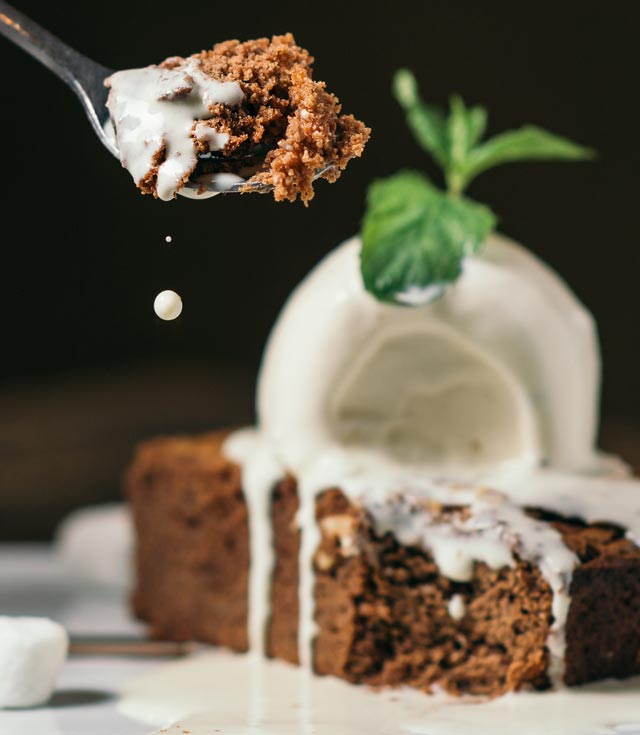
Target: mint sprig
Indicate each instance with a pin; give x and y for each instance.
(416, 235)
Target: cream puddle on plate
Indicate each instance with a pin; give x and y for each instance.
(215, 692)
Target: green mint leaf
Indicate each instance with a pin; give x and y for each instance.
(427, 122)
(476, 123)
(528, 143)
(454, 140)
(465, 127)
(415, 237)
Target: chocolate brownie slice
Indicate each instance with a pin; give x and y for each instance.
(385, 615)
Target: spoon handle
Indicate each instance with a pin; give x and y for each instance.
(83, 75)
(49, 50)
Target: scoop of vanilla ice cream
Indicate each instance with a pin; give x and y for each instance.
(502, 368)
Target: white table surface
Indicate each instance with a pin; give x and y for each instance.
(32, 582)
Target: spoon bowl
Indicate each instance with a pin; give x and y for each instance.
(208, 185)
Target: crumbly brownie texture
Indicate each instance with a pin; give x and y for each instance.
(382, 609)
(282, 628)
(287, 128)
(193, 542)
(399, 630)
(393, 623)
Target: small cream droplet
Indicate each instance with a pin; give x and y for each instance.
(168, 238)
(168, 305)
(457, 608)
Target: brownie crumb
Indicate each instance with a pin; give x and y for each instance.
(286, 112)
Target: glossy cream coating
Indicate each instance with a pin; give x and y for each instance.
(504, 366)
(154, 109)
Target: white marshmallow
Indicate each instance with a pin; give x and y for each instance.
(95, 544)
(32, 652)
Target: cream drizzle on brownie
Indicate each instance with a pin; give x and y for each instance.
(153, 111)
(260, 472)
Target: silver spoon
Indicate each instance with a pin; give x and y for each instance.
(86, 78)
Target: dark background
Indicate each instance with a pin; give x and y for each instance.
(87, 369)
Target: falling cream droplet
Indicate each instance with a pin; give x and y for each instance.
(168, 305)
(168, 238)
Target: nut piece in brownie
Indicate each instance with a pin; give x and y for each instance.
(239, 112)
(385, 614)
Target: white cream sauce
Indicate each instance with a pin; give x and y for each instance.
(205, 186)
(260, 474)
(218, 692)
(155, 107)
(457, 607)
